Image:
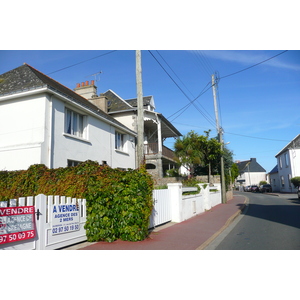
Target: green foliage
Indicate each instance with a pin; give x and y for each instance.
(119, 203)
(262, 182)
(172, 173)
(234, 172)
(296, 181)
(194, 151)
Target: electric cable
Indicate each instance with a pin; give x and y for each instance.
(253, 65)
(191, 101)
(82, 62)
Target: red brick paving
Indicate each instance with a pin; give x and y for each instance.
(187, 235)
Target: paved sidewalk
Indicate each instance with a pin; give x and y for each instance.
(193, 234)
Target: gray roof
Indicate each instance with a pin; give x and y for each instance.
(250, 166)
(25, 78)
(117, 104)
(274, 170)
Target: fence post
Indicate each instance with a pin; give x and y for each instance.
(175, 194)
(40, 221)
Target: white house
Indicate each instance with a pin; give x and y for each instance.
(288, 164)
(250, 172)
(157, 128)
(44, 122)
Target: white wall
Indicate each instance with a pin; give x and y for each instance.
(22, 131)
(98, 144)
(288, 168)
(32, 132)
(252, 178)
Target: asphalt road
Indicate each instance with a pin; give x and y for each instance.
(268, 223)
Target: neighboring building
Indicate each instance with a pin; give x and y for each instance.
(273, 178)
(288, 162)
(251, 172)
(44, 122)
(157, 128)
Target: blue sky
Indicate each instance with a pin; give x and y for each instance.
(258, 107)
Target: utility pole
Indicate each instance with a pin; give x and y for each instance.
(140, 112)
(220, 135)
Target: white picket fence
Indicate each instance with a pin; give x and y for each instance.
(48, 236)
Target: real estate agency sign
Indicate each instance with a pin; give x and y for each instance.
(16, 224)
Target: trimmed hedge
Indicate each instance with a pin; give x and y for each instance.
(119, 203)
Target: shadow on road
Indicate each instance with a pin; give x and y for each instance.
(284, 214)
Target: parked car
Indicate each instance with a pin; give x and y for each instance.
(298, 192)
(265, 188)
(247, 188)
(254, 188)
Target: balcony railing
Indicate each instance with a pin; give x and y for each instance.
(152, 149)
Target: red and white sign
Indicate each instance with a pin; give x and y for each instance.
(16, 224)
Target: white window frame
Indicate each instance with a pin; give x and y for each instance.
(120, 142)
(75, 123)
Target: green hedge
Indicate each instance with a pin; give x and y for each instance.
(119, 203)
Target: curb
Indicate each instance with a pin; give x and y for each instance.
(228, 222)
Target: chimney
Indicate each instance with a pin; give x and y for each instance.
(86, 89)
(100, 102)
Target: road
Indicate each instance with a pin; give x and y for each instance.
(268, 223)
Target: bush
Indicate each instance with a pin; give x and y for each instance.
(119, 203)
(296, 181)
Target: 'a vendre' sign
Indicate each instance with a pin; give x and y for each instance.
(16, 224)
(65, 218)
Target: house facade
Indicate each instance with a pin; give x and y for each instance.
(157, 128)
(44, 122)
(250, 172)
(288, 166)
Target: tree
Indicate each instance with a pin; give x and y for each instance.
(234, 172)
(188, 151)
(295, 181)
(194, 150)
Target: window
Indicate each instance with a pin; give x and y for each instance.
(280, 162)
(282, 181)
(120, 141)
(74, 123)
(286, 158)
(73, 163)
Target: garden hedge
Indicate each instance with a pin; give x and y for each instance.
(119, 203)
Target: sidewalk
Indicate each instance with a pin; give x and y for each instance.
(193, 234)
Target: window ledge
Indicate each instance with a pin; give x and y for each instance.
(76, 138)
(121, 152)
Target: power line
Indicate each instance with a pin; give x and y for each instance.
(191, 101)
(248, 136)
(82, 62)
(255, 137)
(254, 65)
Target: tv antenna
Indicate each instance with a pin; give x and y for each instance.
(96, 76)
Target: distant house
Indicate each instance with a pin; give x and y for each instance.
(288, 165)
(157, 128)
(250, 172)
(274, 179)
(44, 122)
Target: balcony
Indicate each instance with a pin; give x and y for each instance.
(152, 149)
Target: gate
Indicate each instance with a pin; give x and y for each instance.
(162, 208)
(59, 222)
